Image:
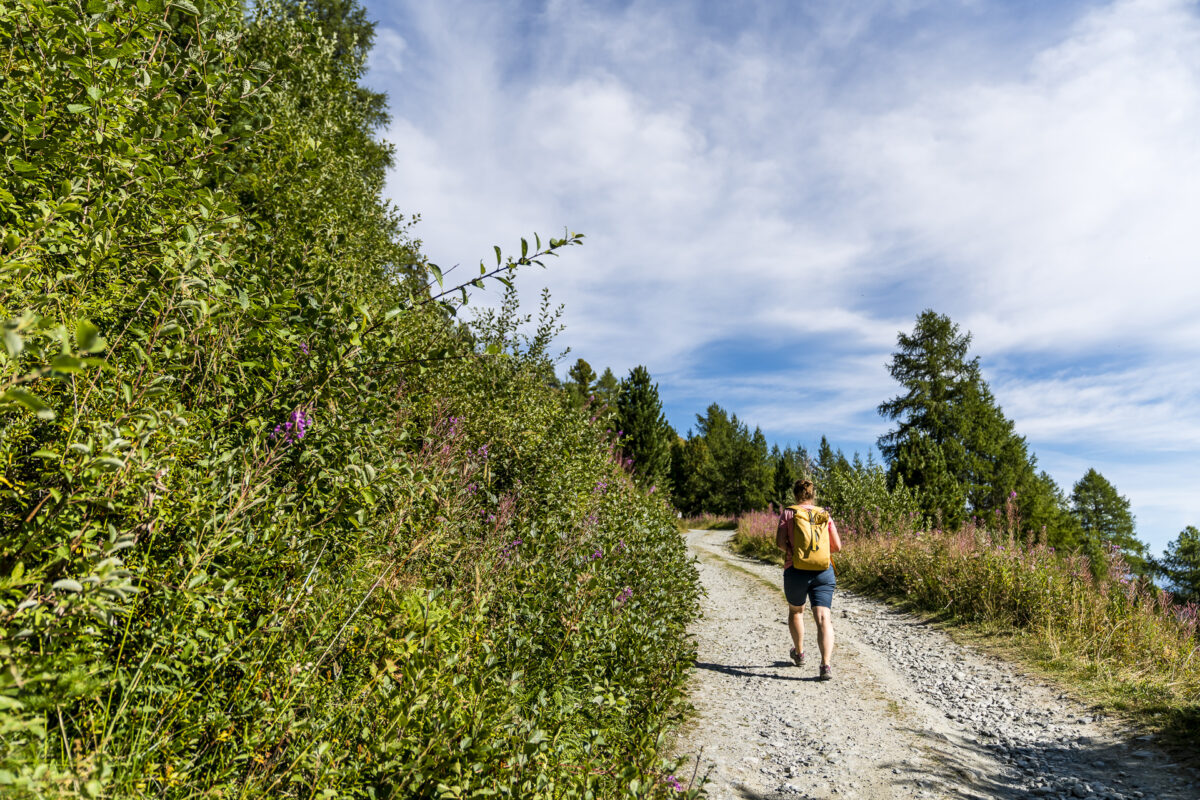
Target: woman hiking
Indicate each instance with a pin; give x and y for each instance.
(807, 535)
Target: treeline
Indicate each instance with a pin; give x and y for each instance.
(951, 457)
(276, 523)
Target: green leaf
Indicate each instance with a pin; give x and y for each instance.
(67, 585)
(88, 338)
(28, 400)
(186, 6)
(78, 108)
(524, 247)
(110, 462)
(49, 454)
(437, 272)
(94, 92)
(13, 342)
(496, 247)
(65, 363)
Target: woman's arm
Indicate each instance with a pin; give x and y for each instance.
(781, 531)
(835, 541)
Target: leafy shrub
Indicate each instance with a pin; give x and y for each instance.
(859, 498)
(279, 526)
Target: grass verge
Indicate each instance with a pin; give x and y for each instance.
(706, 522)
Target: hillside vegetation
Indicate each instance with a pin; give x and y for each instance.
(276, 523)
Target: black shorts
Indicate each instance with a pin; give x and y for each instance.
(804, 585)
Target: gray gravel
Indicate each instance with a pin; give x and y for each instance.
(910, 713)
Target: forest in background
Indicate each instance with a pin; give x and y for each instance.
(281, 518)
(951, 458)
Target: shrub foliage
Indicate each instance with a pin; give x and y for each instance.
(275, 523)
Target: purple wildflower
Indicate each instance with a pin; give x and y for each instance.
(1013, 495)
(294, 429)
(304, 348)
(625, 594)
(598, 554)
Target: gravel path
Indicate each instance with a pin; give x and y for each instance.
(909, 713)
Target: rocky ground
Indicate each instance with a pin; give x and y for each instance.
(910, 713)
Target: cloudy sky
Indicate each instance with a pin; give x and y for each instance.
(772, 190)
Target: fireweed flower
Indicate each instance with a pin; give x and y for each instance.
(510, 549)
(294, 429)
(625, 594)
(598, 554)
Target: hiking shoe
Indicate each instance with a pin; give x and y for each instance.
(797, 658)
(826, 673)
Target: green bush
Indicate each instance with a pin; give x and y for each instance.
(279, 525)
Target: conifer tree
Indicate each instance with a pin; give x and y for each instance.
(607, 388)
(785, 476)
(580, 383)
(646, 434)
(952, 445)
(1105, 518)
(1181, 565)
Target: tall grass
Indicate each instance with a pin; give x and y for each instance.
(755, 536)
(1119, 638)
(1122, 640)
(708, 522)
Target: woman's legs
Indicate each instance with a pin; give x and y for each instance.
(796, 626)
(824, 619)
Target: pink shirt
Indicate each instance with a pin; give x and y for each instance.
(783, 533)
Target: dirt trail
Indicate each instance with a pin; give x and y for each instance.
(909, 713)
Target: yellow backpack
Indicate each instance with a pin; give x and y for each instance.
(810, 538)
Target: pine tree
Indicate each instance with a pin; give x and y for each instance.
(1181, 565)
(583, 376)
(693, 476)
(785, 476)
(607, 388)
(580, 383)
(952, 445)
(646, 436)
(1045, 511)
(1105, 518)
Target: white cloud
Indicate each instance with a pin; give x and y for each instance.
(1046, 201)
(387, 54)
(1059, 204)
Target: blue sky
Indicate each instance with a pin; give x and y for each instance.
(772, 190)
